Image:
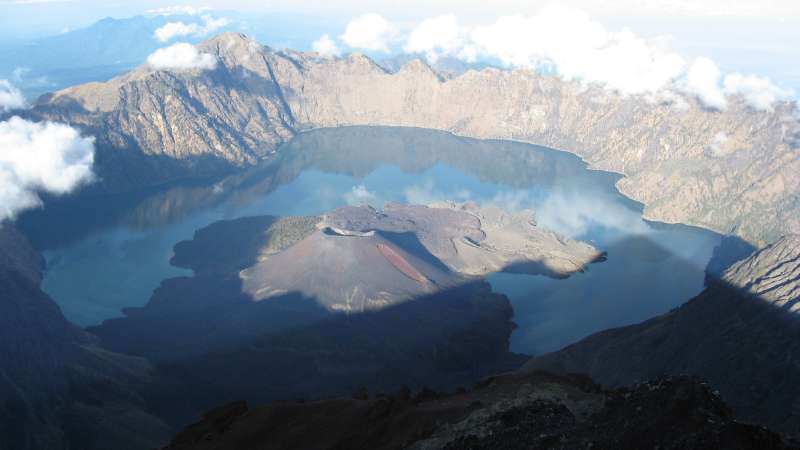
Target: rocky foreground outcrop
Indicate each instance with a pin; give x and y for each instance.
(504, 412)
(742, 334)
(726, 170)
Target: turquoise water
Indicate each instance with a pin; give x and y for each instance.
(114, 260)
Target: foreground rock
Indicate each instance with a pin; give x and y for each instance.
(725, 170)
(504, 412)
(741, 334)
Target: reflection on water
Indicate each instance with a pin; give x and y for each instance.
(104, 262)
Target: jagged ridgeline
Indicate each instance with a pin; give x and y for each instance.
(155, 125)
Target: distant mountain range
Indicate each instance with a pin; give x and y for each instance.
(113, 46)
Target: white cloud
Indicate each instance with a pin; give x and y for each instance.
(758, 92)
(176, 10)
(436, 37)
(360, 195)
(36, 157)
(180, 29)
(568, 42)
(716, 147)
(172, 29)
(427, 193)
(325, 46)
(10, 97)
(181, 56)
(574, 213)
(703, 80)
(369, 32)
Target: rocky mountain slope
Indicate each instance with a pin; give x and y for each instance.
(519, 411)
(741, 334)
(726, 170)
(474, 240)
(58, 388)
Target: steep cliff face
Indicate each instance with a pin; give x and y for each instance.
(725, 170)
(741, 334)
(57, 388)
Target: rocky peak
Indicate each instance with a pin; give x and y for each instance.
(229, 41)
(364, 63)
(419, 67)
(236, 50)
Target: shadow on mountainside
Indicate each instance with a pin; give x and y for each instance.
(745, 346)
(213, 343)
(58, 388)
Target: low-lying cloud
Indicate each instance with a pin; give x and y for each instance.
(325, 46)
(36, 157)
(369, 32)
(568, 43)
(360, 195)
(172, 30)
(703, 80)
(758, 92)
(717, 147)
(181, 56)
(436, 37)
(10, 97)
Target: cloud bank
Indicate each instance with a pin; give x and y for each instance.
(758, 92)
(568, 43)
(35, 157)
(180, 29)
(181, 56)
(10, 97)
(436, 37)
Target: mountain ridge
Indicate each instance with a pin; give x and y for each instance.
(723, 170)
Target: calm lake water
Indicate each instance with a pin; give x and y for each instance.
(110, 252)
